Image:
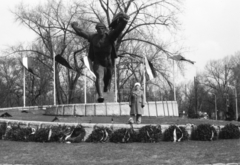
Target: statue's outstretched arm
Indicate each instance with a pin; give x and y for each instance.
(79, 31)
(117, 26)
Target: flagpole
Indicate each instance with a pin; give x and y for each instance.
(115, 82)
(24, 87)
(174, 90)
(85, 86)
(144, 81)
(54, 80)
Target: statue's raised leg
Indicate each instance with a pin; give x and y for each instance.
(99, 72)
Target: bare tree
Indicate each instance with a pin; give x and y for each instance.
(11, 83)
(51, 24)
(151, 25)
(148, 33)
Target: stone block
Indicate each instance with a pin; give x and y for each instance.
(160, 108)
(90, 109)
(100, 109)
(80, 110)
(175, 108)
(68, 110)
(146, 110)
(60, 110)
(152, 109)
(170, 108)
(125, 109)
(113, 109)
(51, 110)
(165, 106)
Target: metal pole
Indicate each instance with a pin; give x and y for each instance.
(24, 87)
(236, 103)
(144, 84)
(215, 106)
(85, 86)
(174, 90)
(115, 82)
(54, 80)
(196, 95)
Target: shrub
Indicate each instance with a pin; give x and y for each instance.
(204, 132)
(150, 134)
(230, 131)
(100, 134)
(181, 133)
(123, 135)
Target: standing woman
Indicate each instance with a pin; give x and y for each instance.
(136, 104)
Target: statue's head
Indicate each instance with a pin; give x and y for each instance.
(101, 28)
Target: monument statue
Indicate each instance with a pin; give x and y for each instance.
(102, 51)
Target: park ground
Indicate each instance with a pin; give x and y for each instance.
(186, 153)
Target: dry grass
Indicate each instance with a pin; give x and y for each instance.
(189, 152)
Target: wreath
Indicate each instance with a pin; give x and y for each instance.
(99, 134)
(230, 131)
(123, 135)
(3, 127)
(204, 132)
(175, 133)
(150, 134)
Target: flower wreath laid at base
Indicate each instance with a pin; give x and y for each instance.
(175, 133)
(145, 134)
(124, 135)
(150, 134)
(47, 134)
(229, 131)
(204, 132)
(100, 134)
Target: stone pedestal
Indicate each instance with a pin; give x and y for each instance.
(109, 97)
(111, 108)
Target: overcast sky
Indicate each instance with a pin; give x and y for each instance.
(211, 29)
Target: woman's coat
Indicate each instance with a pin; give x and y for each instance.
(136, 102)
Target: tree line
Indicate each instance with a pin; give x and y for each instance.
(215, 88)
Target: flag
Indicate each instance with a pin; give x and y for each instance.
(88, 65)
(62, 61)
(28, 63)
(150, 69)
(181, 58)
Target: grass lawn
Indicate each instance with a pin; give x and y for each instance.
(189, 152)
(38, 116)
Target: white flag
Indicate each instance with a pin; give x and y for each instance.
(25, 62)
(28, 63)
(87, 64)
